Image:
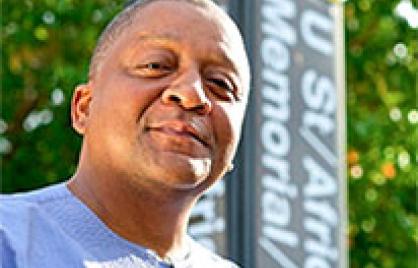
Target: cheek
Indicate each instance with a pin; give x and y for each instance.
(227, 121)
(127, 97)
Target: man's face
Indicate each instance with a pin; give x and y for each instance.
(168, 99)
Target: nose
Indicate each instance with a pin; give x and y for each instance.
(188, 92)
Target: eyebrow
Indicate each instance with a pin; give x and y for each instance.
(219, 57)
(158, 38)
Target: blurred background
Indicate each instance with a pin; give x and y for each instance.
(45, 50)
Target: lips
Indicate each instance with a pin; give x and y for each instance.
(181, 128)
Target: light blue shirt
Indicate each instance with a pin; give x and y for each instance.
(52, 228)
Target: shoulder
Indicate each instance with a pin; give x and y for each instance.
(38, 196)
(204, 256)
(18, 220)
(24, 225)
(19, 209)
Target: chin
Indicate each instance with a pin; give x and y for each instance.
(198, 172)
(185, 173)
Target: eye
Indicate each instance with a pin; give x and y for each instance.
(153, 69)
(222, 83)
(221, 86)
(154, 66)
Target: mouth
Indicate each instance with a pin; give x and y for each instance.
(179, 129)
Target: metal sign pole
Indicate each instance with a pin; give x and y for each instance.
(293, 143)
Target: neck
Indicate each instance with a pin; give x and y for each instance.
(156, 220)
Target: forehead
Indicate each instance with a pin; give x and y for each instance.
(178, 22)
(173, 14)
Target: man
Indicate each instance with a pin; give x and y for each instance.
(160, 116)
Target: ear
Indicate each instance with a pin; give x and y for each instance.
(80, 105)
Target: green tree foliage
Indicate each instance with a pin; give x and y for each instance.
(45, 51)
(46, 46)
(382, 84)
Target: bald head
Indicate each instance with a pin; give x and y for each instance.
(125, 18)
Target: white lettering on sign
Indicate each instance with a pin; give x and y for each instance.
(316, 190)
(279, 181)
(319, 95)
(320, 183)
(275, 55)
(275, 138)
(277, 186)
(318, 121)
(278, 94)
(312, 20)
(315, 262)
(209, 223)
(321, 217)
(274, 25)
